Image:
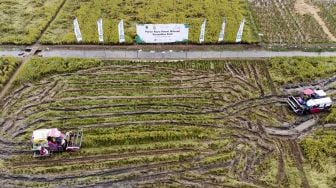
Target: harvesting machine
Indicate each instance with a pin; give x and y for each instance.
(310, 101)
(47, 141)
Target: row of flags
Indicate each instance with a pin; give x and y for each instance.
(78, 33)
(122, 33)
(221, 37)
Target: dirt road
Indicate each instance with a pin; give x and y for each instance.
(304, 8)
(297, 130)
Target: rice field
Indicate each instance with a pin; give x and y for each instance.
(301, 69)
(8, 66)
(267, 22)
(22, 21)
(149, 11)
(319, 149)
(328, 13)
(189, 123)
(279, 22)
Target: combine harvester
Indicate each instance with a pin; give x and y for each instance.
(310, 101)
(47, 141)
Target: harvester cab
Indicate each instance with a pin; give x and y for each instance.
(310, 101)
(47, 141)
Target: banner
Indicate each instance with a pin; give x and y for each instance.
(240, 31)
(100, 30)
(162, 33)
(202, 33)
(77, 31)
(222, 33)
(121, 31)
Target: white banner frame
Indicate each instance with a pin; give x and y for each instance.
(100, 30)
(121, 31)
(240, 32)
(202, 33)
(162, 33)
(77, 31)
(222, 32)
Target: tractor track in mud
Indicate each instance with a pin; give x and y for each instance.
(235, 107)
(298, 158)
(257, 80)
(49, 179)
(94, 158)
(92, 173)
(99, 97)
(165, 173)
(116, 171)
(271, 99)
(269, 79)
(281, 174)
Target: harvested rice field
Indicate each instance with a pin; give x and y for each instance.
(163, 124)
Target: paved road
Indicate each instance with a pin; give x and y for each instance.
(125, 54)
(12, 52)
(163, 55)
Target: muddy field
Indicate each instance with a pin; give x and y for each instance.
(197, 123)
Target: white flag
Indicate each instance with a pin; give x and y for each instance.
(121, 32)
(77, 31)
(240, 31)
(222, 33)
(100, 30)
(202, 33)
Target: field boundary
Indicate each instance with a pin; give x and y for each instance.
(50, 21)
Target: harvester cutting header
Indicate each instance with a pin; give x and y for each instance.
(47, 141)
(310, 101)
